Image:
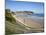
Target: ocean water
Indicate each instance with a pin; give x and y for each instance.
(30, 15)
(39, 15)
(37, 18)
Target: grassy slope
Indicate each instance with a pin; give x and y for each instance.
(12, 26)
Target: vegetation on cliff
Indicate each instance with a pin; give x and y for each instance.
(11, 26)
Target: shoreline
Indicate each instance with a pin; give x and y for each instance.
(38, 24)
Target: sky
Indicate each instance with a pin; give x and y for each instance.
(36, 7)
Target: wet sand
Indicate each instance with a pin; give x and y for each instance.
(37, 24)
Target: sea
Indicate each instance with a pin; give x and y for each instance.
(30, 15)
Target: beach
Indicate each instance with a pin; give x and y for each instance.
(37, 23)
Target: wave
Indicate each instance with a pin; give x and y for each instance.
(39, 15)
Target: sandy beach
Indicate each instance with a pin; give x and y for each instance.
(35, 23)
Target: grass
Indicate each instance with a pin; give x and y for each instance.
(11, 26)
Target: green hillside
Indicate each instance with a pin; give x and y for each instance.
(12, 27)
